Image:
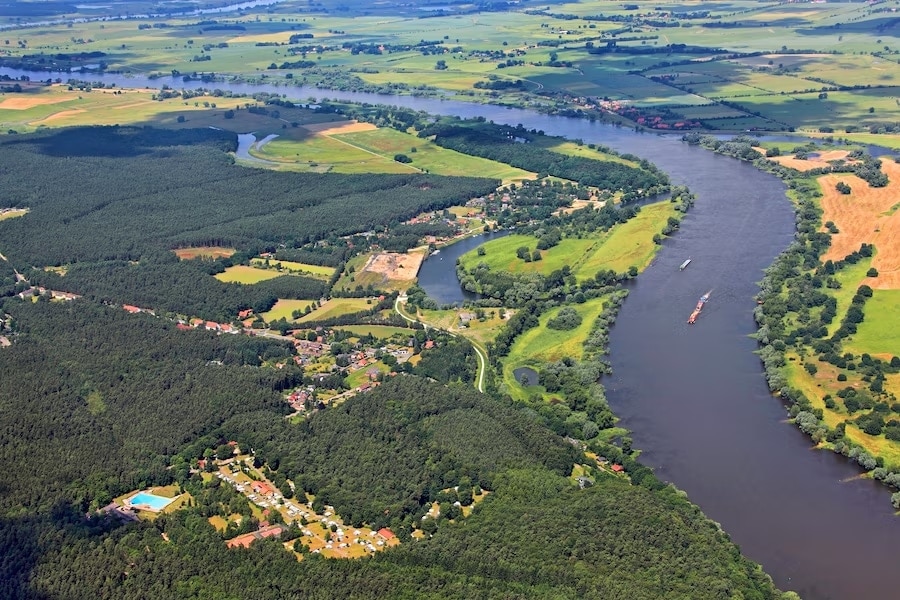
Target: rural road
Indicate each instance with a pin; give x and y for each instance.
(479, 351)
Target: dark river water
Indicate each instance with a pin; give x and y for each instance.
(695, 396)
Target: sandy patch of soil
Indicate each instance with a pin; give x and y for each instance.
(398, 267)
(26, 102)
(810, 163)
(337, 127)
(866, 215)
(205, 251)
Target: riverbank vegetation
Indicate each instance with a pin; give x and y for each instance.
(822, 338)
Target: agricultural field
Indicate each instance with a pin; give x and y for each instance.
(246, 275)
(427, 156)
(336, 307)
(58, 106)
(12, 213)
(866, 215)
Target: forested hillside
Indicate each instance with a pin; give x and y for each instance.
(94, 401)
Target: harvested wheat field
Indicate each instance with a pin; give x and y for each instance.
(337, 127)
(866, 215)
(808, 164)
(394, 266)
(26, 102)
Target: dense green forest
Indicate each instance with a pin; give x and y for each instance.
(394, 448)
(93, 400)
(184, 190)
(518, 147)
(184, 288)
(181, 194)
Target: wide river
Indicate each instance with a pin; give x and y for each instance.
(695, 396)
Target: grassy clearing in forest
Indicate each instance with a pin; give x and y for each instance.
(337, 307)
(246, 275)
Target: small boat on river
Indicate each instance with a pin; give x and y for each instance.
(684, 265)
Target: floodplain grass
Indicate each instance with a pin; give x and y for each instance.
(628, 244)
(336, 307)
(246, 275)
(284, 309)
(315, 271)
(541, 345)
(879, 333)
(850, 278)
(430, 157)
(500, 254)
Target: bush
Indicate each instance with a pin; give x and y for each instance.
(568, 318)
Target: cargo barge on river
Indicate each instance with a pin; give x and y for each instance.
(693, 318)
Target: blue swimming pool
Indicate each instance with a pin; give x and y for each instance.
(148, 500)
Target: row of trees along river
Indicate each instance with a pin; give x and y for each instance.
(695, 397)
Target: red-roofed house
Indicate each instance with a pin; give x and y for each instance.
(211, 325)
(386, 533)
(130, 308)
(183, 327)
(245, 313)
(618, 468)
(261, 487)
(248, 538)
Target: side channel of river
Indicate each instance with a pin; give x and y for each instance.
(695, 396)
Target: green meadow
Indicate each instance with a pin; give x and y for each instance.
(336, 307)
(284, 309)
(500, 254)
(541, 344)
(382, 332)
(430, 157)
(628, 244)
(316, 271)
(879, 333)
